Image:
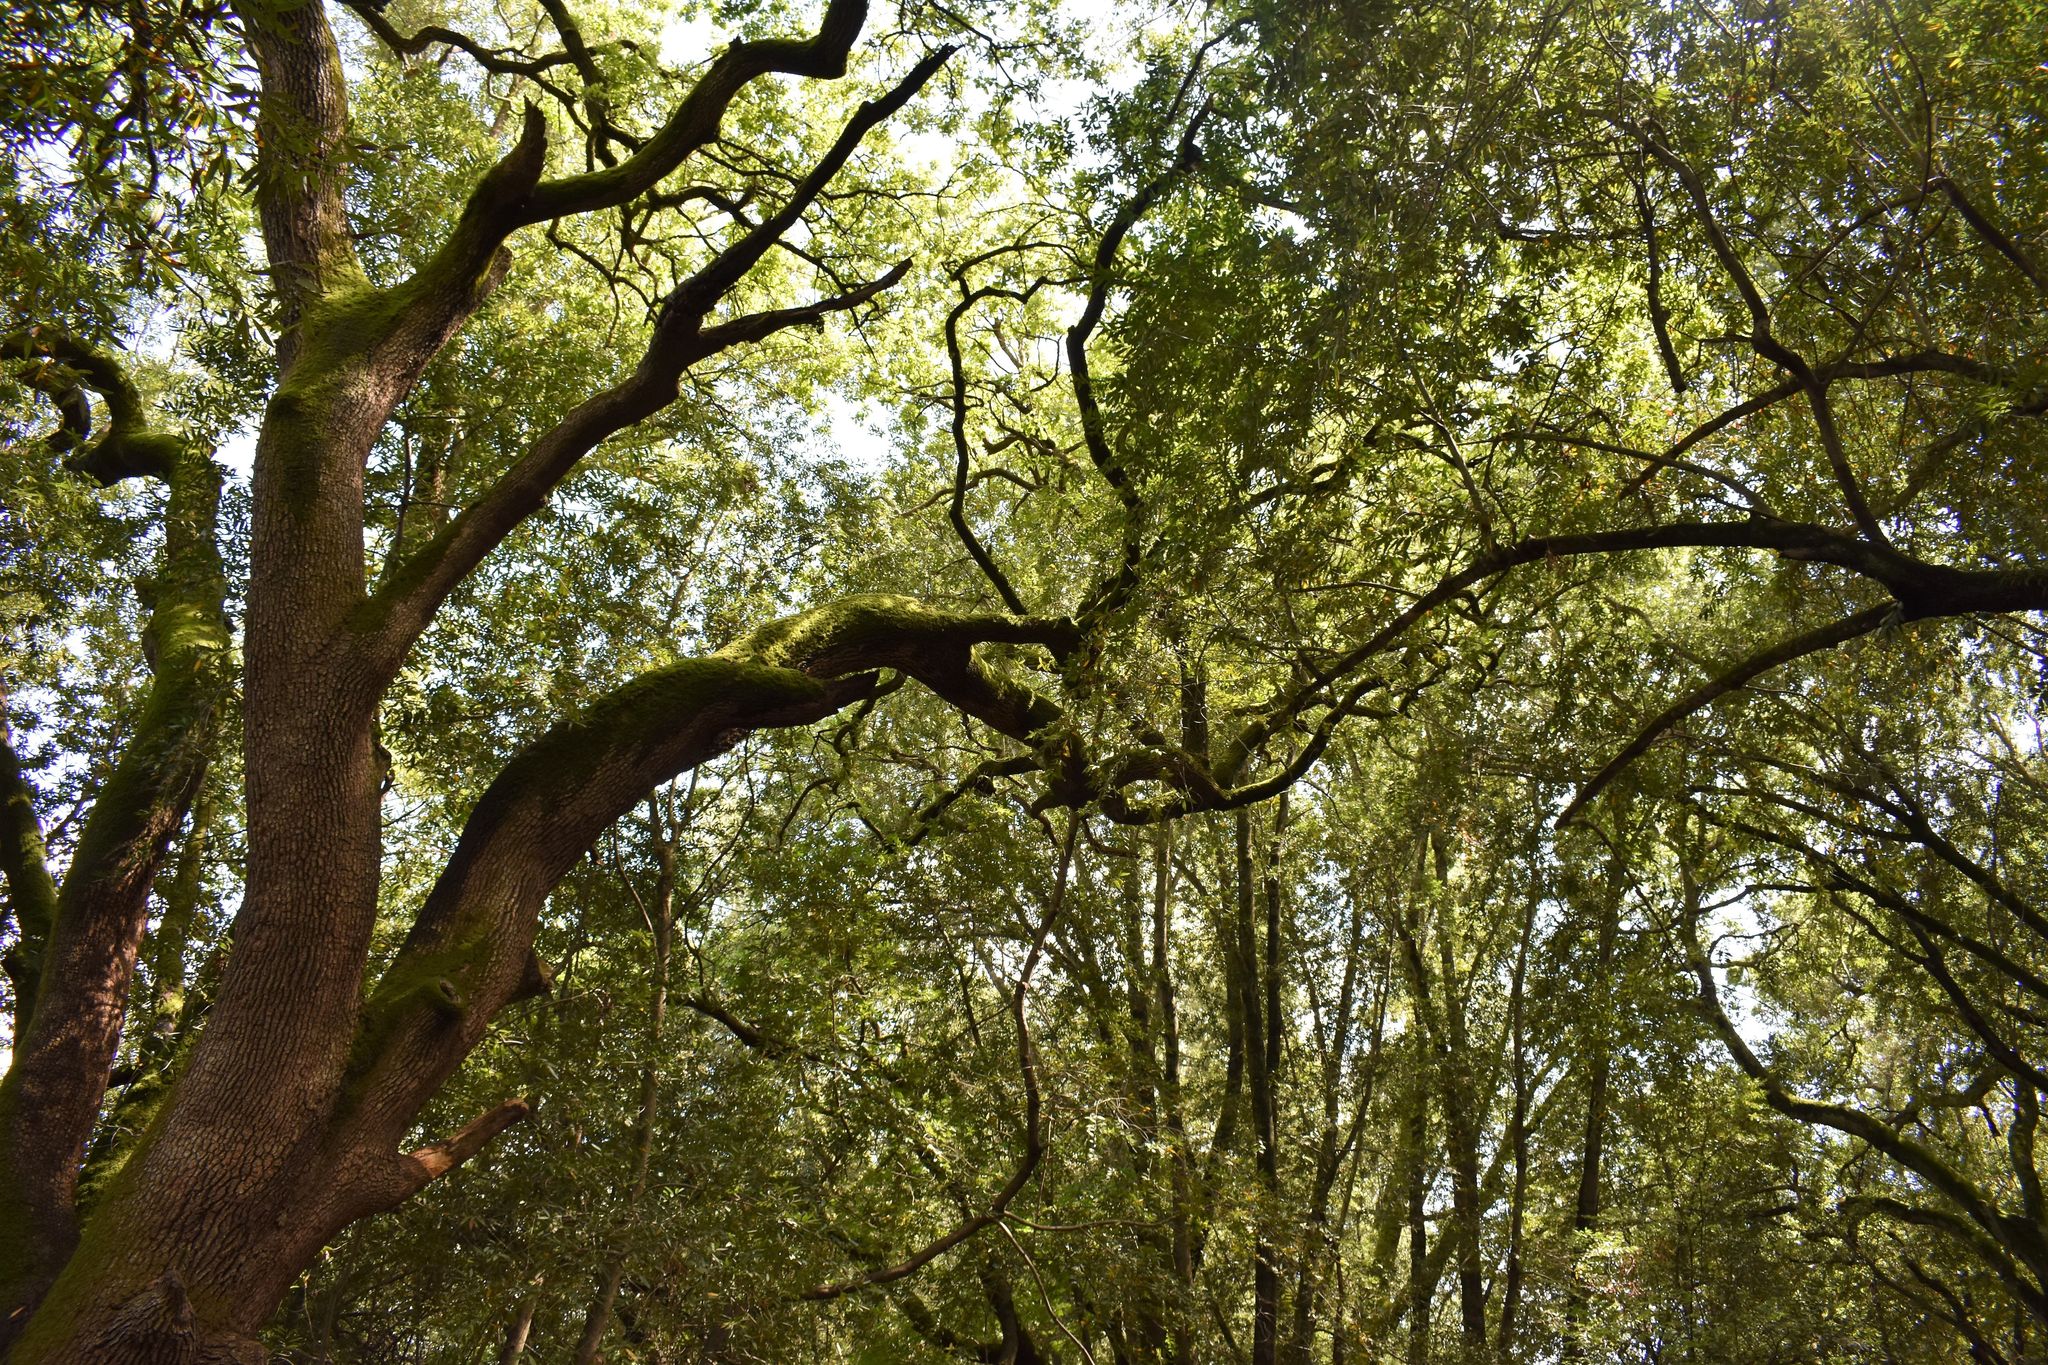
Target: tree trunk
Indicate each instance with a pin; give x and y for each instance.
(1518, 1139)
(516, 1334)
(1593, 1139)
(600, 1312)
(1421, 1278)
(1258, 988)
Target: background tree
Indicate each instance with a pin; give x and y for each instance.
(1457, 782)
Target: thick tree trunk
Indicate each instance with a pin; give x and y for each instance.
(286, 1123)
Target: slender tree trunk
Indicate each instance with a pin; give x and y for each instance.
(516, 1334)
(1259, 986)
(1181, 1339)
(600, 1313)
(1462, 1118)
(1333, 1144)
(1518, 1138)
(1421, 1281)
(1593, 1138)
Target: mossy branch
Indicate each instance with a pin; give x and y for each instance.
(52, 1094)
(31, 891)
(547, 805)
(680, 339)
(65, 368)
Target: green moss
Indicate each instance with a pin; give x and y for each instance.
(346, 326)
(846, 624)
(645, 710)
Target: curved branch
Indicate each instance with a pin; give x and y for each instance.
(501, 61)
(52, 1093)
(31, 891)
(495, 211)
(404, 607)
(1975, 1205)
(1120, 584)
(1921, 589)
(1762, 339)
(63, 367)
(1707, 693)
(1861, 1206)
(956, 508)
(468, 950)
(1660, 316)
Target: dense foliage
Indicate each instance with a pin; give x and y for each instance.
(1284, 681)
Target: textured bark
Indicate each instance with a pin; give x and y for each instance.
(285, 1124)
(52, 1092)
(31, 893)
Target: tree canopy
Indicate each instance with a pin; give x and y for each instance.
(1014, 681)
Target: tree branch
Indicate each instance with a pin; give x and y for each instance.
(63, 367)
(31, 891)
(430, 1163)
(52, 1091)
(467, 952)
(500, 61)
(1990, 231)
(1706, 694)
(1761, 337)
(495, 211)
(1945, 1179)
(1120, 584)
(404, 607)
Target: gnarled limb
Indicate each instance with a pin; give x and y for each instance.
(495, 211)
(466, 954)
(500, 61)
(1706, 694)
(63, 367)
(680, 339)
(52, 1091)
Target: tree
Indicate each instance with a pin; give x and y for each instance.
(1316, 430)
